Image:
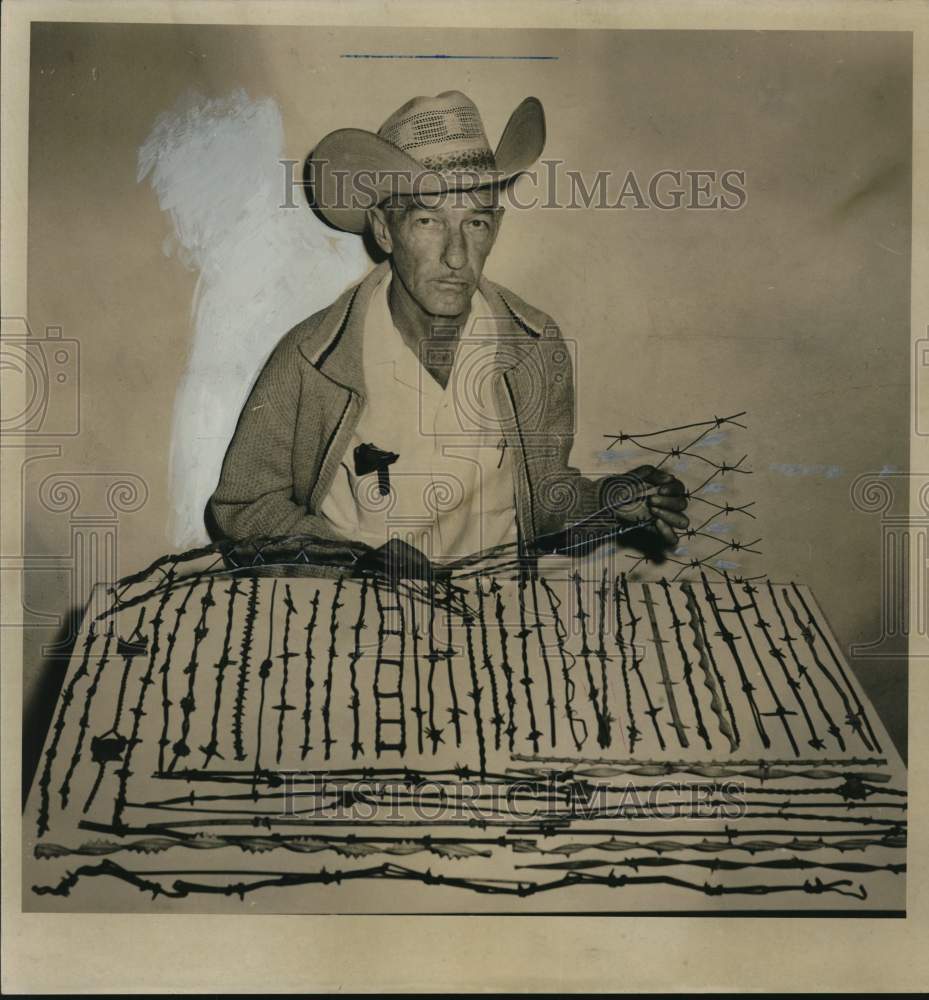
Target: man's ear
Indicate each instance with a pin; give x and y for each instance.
(377, 220)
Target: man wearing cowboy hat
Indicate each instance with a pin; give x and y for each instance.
(428, 412)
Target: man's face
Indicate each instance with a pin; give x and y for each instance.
(438, 245)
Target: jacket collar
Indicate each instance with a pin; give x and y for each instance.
(523, 315)
(335, 347)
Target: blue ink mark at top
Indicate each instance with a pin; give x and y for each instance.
(435, 55)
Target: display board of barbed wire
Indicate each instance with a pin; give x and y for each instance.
(538, 744)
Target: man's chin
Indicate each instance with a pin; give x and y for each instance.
(449, 303)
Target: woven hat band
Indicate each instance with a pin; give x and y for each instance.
(443, 133)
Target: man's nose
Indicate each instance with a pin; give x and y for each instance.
(455, 254)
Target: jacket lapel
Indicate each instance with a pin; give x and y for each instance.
(335, 347)
(334, 390)
(519, 327)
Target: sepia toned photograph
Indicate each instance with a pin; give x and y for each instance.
(465, 472)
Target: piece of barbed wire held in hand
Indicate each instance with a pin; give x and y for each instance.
(648, 496)
(398, 560)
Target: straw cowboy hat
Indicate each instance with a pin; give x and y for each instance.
(430, 145)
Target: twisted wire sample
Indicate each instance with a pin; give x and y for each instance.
(748, 689)
(124, 773)
(328, 738)
(418, 709)
(264, 672)
(860, 717)
(108, 748)
(355, 702)
(188, 702)
(84, 721)
(713, 678)
(597, 698)
(561, 634)
(632, 730)
(309, 683)
(211, 749)
(505, 665)
(285, 656)
(676, 721)
(852, 717)
(51, 753)
(252, 881)
(245, 655)
(488, 665)
(527, 680)
(636, 665)
(677, 625)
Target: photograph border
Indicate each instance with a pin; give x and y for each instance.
(71, 953)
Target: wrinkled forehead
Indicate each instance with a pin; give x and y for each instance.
(484, 199)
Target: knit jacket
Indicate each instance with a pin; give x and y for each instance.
(298, 421)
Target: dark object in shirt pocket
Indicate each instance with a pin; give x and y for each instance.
(370, 458)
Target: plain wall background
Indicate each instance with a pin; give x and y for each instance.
(795, 308)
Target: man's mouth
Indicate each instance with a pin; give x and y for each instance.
(456, 283)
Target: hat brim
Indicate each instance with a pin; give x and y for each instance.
(352, 170)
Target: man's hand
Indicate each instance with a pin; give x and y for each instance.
(399, 561)
(647, 494)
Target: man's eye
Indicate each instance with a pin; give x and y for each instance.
(424, 220)
(480, 224)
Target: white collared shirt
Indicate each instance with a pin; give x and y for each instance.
(451, 488)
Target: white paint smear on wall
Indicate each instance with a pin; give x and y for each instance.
(215, 168)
